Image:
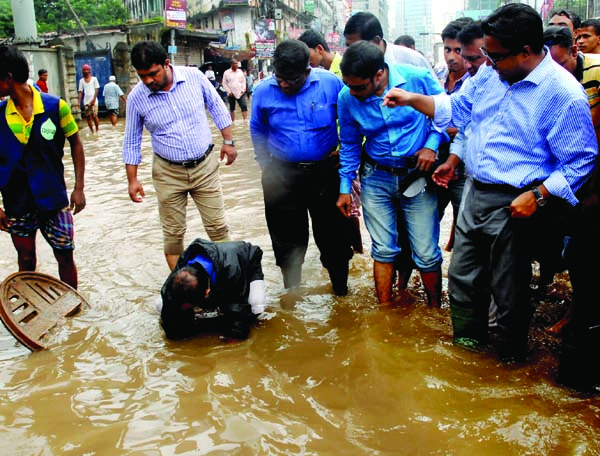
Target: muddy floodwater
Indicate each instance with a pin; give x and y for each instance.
(319, 375)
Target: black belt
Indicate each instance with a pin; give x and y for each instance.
(409, 163)
(504, 188)
(328, 162)
(190, 163)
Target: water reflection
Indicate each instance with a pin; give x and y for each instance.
(318, 375)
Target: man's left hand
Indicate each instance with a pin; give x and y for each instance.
(77, 201)
(524, 205)
(229, 152)
(426, 159)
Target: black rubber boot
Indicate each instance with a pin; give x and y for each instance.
(339, 278)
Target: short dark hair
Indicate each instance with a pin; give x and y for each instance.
(516, 25)
(312, 39)
(42, 71)
(187, 285)
(454, 27)
(147, 53)
(557, 35)
(15, 63)
(405, 40)
(362, 60)
(573, 17)
(291, 57)
(470, 33)
(364, 24)
(594, 23)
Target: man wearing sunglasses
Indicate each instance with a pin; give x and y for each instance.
(535, 145)
(398, 143)
(294, 132)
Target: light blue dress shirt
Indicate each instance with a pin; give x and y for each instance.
(537, 130)
(392, 134)
(296, 128)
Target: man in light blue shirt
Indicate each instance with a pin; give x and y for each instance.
(171, 102)
(399, 145)
(532, 147)
(294, 132)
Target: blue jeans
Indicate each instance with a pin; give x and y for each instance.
(384, 206)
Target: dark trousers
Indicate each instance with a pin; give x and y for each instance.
(492, 257)
(581, 338)
(290, 195)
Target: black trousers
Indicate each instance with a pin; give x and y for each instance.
(292, 192)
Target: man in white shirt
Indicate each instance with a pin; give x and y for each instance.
(234, 83)
(88, 90)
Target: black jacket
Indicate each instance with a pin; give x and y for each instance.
(236, 264)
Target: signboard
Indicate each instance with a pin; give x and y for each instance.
(226, 19)
(237, 3)
(172, 50)
(309, 6)
(264, 38)
(175, 16)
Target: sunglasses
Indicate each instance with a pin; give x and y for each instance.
(357, 87)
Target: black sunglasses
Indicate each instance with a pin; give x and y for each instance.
(357, 87)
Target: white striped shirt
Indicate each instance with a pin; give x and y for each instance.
(175, 119)
(537, 130)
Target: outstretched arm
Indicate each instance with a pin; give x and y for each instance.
(398, 97)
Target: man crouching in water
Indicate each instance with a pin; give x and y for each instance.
(214, 287)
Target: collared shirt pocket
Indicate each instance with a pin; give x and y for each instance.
(322, 115)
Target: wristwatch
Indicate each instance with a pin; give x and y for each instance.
(539, 198)
(229, 142)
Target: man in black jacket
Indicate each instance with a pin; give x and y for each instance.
(214, 285)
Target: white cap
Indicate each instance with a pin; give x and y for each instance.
(112, 78)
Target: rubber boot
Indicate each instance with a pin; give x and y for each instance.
(338, 275)
(292, 276)
(432, 282)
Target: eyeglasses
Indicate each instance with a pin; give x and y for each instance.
(289, 81)
(499, 57)
(357, 87)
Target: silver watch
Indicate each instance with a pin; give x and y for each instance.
(539, 198)
(229, 142)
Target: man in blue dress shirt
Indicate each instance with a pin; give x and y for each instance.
(400, 144)
(294, 132)
(533, 146)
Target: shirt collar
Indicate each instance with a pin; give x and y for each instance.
(38, 104)
(178, 77)
(540, 72)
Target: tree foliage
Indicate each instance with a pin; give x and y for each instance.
(54, 16)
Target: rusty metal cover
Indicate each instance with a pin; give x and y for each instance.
(32, 303)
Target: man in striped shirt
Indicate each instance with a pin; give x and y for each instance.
(170, 102)
(535, 145)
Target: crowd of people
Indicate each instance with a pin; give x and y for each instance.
(507, 137)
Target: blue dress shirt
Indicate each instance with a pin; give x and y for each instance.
(536, 130)
(392, 134)
(295, 128)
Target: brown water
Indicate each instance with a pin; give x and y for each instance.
(319, 375)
